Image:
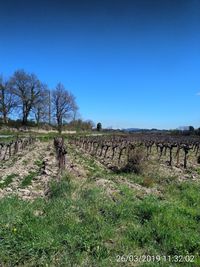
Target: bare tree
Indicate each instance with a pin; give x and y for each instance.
(7, 100)
(63, 104)
(49, 106)
(41, 105)
(27, 88)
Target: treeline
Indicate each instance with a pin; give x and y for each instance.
(77, 124)
(27, 101)
(190, 131)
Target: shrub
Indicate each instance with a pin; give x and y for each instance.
(135, 162)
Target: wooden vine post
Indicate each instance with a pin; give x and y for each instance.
(60, 153)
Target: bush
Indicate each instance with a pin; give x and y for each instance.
(135, 161)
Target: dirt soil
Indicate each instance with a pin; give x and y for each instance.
(27, 163)
(38, 164)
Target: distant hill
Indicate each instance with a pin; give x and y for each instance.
(131, 130)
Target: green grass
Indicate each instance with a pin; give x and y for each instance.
(89, 164)
(8, 180)
(198, 171)
(28, 179)
(6, 139)
(25, 162)
(91, 230)
(38, 163)
(80, 225)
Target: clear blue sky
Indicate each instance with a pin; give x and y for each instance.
(129, 63)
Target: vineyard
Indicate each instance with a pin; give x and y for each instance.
(103, 196)
(118, 154)
(116, 151)
(13, 147)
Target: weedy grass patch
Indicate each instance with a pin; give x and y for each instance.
(7, 180)
(28, 179)
(38, 163)
(91, 229)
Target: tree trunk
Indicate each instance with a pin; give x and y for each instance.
(26, 111)
(25, 120)
(49, 107)
(60, 128)
(5, 119)
(4, 111)
(59, 121)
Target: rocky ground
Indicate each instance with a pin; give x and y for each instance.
(27, 174)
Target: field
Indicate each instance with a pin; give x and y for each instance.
(120, 201)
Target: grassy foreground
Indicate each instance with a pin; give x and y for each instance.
(90, 229)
